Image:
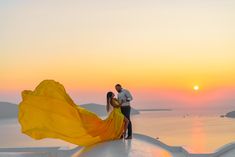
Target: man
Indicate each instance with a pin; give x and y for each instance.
(124, 97)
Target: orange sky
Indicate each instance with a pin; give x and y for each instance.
(160, 47)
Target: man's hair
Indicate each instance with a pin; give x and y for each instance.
(118, 85)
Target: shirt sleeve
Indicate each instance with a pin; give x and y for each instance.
(128, 95)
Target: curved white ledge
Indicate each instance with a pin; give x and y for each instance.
(140, 145)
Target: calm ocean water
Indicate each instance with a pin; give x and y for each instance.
(198, 132)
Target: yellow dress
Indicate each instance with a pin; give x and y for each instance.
(49, 112)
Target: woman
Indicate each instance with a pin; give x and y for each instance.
(49, 112)
(112, 101)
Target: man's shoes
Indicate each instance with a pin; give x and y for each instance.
(128, 137)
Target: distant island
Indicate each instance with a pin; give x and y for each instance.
(230, 114)
(10, 110)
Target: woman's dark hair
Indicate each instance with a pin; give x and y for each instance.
(109, 97)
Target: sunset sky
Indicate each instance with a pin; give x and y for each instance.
(158, 49)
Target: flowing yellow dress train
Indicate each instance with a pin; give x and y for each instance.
(49, 112)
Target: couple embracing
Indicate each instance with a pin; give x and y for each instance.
(121, 104)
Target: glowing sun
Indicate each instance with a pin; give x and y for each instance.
(196, 88)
